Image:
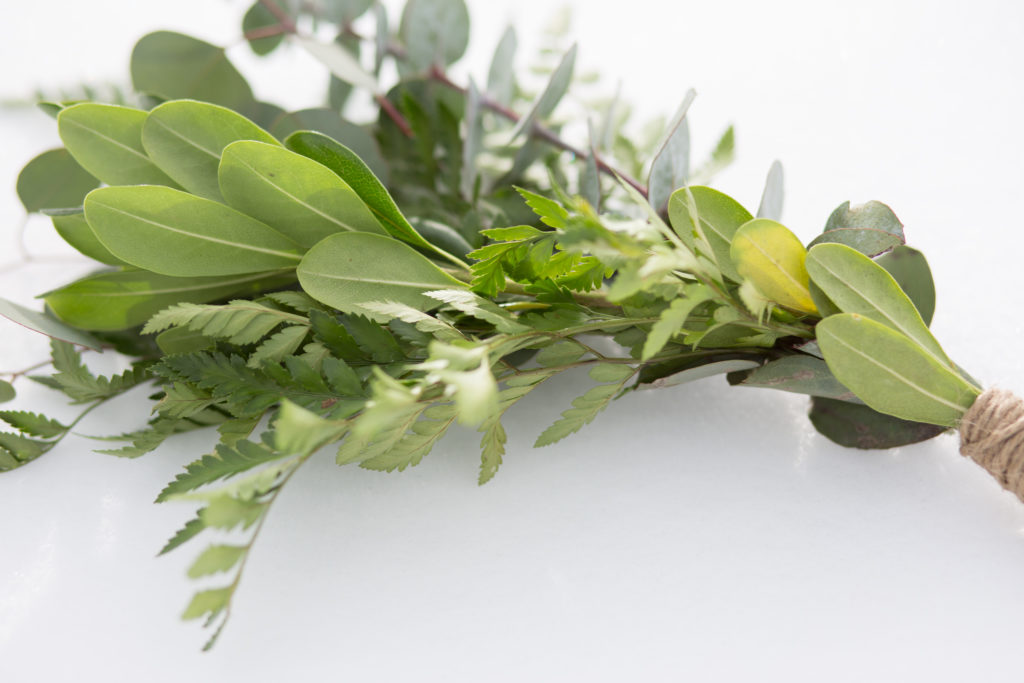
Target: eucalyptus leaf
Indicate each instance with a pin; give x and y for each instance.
(549, 97)
(7, 391)
(46, 324)
(799, 374)
(856, 284)
(350, 168)
(331, 124)
(128, 298)
(76, 231)
(349, 269)
(671, 165)
(174, 66)
(472, 143)
(868, 216)
(771, 257)
(174, 233)
(773, 195)
(434, 32)
(345, 11)
(857, 426)
(53, 180)
(107, 141)
(258, 17)
(909, 268)
(891, 373)
(720, 217)
(300, 198)
(341, 63)
(696, 372)
(185, 139)
(867, 241)
(501, 83)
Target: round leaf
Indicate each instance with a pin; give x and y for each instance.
(434, 31)
(174, 233)
(353, 268)
(53, 180)
(772, 258)
(7, 391)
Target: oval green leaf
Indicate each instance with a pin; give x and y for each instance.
(259, 17)
(76, 231)
(870, 215)
(867, 241)
(720, 217)
(772, 258)
(891, 373)
(7, 391)
(330, 123)
(349, 269)
(53, 180)
(46, 324)
(291, 193)
(185, 139)
(856, 284)
(909, 268)
(174, 66)
(434, 31)
(128, 298)
(106, 140)
(174, 233)
(855, 425)
(350, 168)
(799, 374)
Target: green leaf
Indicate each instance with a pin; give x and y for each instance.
(127, 298)
(33, 424)
(186, 533)
(257, 17)
(279, 345)
(671, 165)
(434, 32)
(586, 407)
(76, 231)
(669, 375)
(548, 98)
(772, 258)
(210, 602)
(174, 233)
(501, 79)
(472, 144)
(721, 156)
(773, 195)
(672, 319)
(185, 139)
(345, 11)
(909, 268)
(891, 373)
(226, 462)
(361, 179)
(341, 63)
(174, 66)
(799, 374)
(551, 214)
(216, 559)
(107, 141)
(349, 269)
(330, 123)
(854, 425)
(7, 391)
(53, 180)
(869, 216)
(45, 324)
(856, 284)
(865, 240)
(293, 194)
(239, 322)
(720, 217)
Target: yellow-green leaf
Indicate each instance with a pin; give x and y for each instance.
(772, 258)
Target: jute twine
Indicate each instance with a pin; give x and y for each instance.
(992, 435)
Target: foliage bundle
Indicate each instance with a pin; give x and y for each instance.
(295, 280)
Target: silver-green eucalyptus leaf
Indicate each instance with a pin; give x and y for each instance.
(773, 195)
(501, 83)
(548, 99)
(53, 180)
(671, 166)
(435, 32)
(47, 324)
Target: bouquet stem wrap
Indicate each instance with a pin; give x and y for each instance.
(992, 435)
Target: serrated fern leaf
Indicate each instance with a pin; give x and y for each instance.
(479, 308)
(33, 424)
(586, 407)
(190, 530)
(238, 322)
(226, 461)
(278, 345)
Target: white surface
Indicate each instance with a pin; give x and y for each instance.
(697, 533)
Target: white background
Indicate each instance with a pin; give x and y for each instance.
(696, 533)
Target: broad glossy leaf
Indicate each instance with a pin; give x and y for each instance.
(53, 180)
(341, 63)
(548, 98)
(799, 374)
(871, 215)
(501, 80)
(174, 66)
(867, 241)
(434, 31)
(174, 233)
(856, 284)
(289, 192)
(107, 141)
(331, 124)
(76, 231)
(257, 17)
(909, 268)
(46, 324)
(185, 139)
(771, 257)
(720, 217)
(854, 425)
(349, 269)
(127, 298)
(7, 391)
(773, 195)
(350, 168)
(891, 373)
(671, 166)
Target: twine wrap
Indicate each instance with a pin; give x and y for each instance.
(992, 435)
